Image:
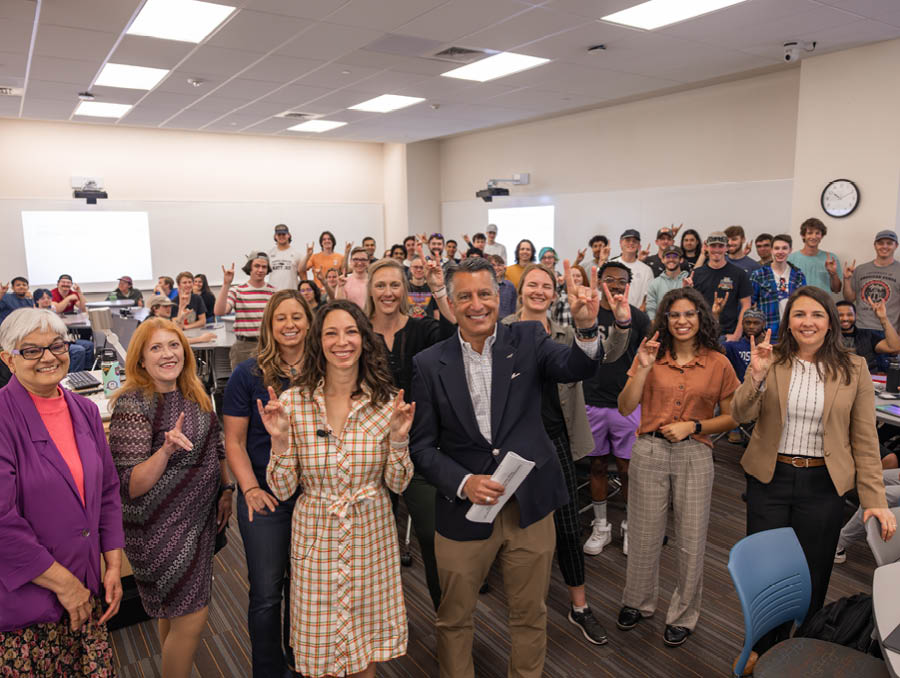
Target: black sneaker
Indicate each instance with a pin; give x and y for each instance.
(675, 635)
(589, 626)
(629, 617)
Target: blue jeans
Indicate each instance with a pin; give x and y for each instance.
(267, 545)
(81, 355)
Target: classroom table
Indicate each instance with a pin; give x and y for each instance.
(76, 321)
(110, 303)
(885, 417)
(886, 603)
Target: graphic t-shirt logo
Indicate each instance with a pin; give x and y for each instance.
(874, 291)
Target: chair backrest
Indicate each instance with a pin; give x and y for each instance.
(885, 552)
(771, 578)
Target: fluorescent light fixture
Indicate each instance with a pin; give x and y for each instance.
(655, 13)
(184, 20)
(386, 103)
(102, 109)
(497, 66)
(316, 126)
(130, 77)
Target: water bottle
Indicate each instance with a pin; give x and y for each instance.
(893, 376)
(109, 366)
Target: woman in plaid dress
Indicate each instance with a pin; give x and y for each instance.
(341, 436)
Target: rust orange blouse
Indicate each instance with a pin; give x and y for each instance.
(674, 392)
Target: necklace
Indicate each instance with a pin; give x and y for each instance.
(290, 366)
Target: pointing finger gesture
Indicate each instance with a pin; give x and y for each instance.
(175, 439)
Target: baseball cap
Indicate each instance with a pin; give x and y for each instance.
(491, 228)
(64, 276)
(160, 300)
(630, 233)
(886, 234)
(281, 228)
(127, 278)
(664, 231)
(717, 237)
(754, 313)
(672, 249)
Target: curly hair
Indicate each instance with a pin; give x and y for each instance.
(373, 377)
(831, 354)
(707, 333)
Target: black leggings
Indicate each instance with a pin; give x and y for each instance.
(568, 527)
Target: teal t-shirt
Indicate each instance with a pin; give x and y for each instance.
(814, 268)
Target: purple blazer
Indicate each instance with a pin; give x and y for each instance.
(42, 519)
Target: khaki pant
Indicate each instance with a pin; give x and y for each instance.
(525, 558)
(660, 470)
(240, 351)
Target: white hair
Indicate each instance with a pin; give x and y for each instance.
(23, 321)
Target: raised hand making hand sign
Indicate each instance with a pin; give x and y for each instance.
(584, 301)
(761, 357)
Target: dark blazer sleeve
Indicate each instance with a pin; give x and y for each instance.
(439, 469)
(563, 364)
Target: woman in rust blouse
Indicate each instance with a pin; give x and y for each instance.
(678, 377)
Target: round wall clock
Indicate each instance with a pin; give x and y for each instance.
(840, 198)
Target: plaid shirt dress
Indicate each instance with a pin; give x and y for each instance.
(347, 606)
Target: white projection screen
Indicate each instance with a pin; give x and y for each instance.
(92, 247)
(523, 223)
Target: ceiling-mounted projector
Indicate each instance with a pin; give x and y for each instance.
(492, 190)
(90, 192)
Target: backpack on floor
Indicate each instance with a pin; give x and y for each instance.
(848, 621)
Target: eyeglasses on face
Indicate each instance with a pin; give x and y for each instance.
(687, 315)
(609, 280)
(37, 352)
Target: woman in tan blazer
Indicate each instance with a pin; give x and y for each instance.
(814, 439)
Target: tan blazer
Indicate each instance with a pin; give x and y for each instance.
(851, 442)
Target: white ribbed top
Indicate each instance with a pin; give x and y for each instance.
(803, 434)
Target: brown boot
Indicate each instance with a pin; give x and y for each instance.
(748, 667)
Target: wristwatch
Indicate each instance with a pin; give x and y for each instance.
(588, 332)
(698, 427)
(229, 486)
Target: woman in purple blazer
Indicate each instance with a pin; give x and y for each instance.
(59, 511)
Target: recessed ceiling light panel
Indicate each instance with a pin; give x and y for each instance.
(386, 103)
(656, 13)
(497, 66)
(102, 109)
(130, 77)
(183, 20)
(317, 126)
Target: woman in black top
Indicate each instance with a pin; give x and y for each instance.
(691, 246)
(201, 288)
(387, 305)
(311, 293)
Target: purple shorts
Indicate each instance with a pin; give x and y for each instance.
(612, 431)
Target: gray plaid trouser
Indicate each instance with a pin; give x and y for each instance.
(660, 469)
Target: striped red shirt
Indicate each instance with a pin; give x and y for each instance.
(248, 303)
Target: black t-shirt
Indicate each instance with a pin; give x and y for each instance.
(551, 409)
(195, 304)
(656, 265)
(210, 302)
(862, 342)
(713, 282)
(688, 262)
(417, 335)
(602, 389)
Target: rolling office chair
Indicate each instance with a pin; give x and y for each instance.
(772, 581)
(885, 552)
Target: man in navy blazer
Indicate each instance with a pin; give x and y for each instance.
(478, 397)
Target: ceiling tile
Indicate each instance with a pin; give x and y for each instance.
(15, 36)
(280, 69)
(177, 81)
(436, 88)
(307, 9)
(232, 123)
(17, 10)
(257, 31)
(98, 15)
(424, 66)
(53, 91)
(270, 125)
(328, 41)
(191, 119)
(118, 95)
(887, 11)
(592, 9)
(481, 92)
(162, 99)
(262, 109)
(218, 61)
(841, 37)
(374, 60)
(62, 42)
(45, 109)
(388, 82)
(146, 115)
(383, 16)
(244, 88)
(218, 104)
(55, 69)
(335, 101)
(139, 50)
(460, 17)
(336, 75)
(521, 29)
(292, 95)
(9, 106)
(12, 68)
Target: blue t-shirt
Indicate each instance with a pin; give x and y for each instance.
(738, 354)
(244, 386)
(11, 302)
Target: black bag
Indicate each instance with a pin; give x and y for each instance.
(848, 621)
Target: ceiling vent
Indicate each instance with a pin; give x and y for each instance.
(297, 115)
(461, 55)
(11, 91)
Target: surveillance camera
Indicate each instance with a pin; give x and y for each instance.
(791, 52)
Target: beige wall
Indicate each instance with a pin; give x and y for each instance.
(848, 128)
(396, 219)
(155, 164)
(423, 185)
(732, 132)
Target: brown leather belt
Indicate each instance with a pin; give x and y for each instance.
(801, 462)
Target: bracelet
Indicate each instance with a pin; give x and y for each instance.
(227, 487)
(587, 333)
(250, 489)
(400, 445)
(625, 326)
(440, 293)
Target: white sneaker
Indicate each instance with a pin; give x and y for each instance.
(601, 535)
(624, 529)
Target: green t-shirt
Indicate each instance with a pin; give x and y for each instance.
(814, 268)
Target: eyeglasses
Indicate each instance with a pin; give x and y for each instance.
(357, 260)
(609, 280)
(37, 352)
(687, 315)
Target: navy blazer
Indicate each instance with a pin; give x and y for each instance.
(446, 444)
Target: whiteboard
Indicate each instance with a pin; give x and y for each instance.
(200, 236)
(758, 206)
